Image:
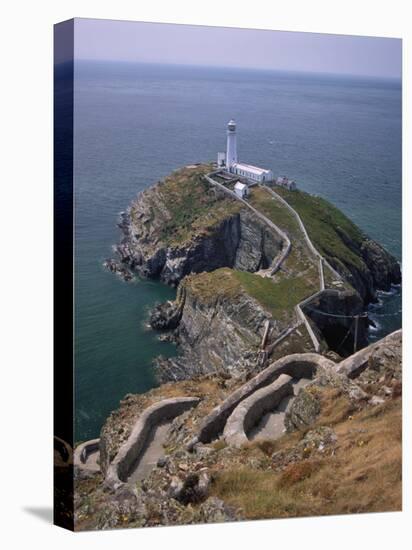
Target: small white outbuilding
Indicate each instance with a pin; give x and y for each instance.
(221, 160)
(241, 190)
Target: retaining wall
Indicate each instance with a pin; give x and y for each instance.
(130, 452)
(354, 365)
(298, 365)
(82, 453)
(250, 410)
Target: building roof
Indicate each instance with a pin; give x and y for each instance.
(239, 185)
(250, 168)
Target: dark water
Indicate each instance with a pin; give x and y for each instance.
(338, 137)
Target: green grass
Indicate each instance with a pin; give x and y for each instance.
(275, 297)
(214, 286)
(192, 205)
(332, 233)
(263, 201)
(185, 205)
(225, 284)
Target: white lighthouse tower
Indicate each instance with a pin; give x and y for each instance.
(231, 148)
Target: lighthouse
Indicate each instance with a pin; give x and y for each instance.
(231, 148)
(227, 162)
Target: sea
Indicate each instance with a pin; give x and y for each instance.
(338, 136)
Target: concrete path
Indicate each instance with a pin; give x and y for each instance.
(272, 424)
(93, 461)
(310, 244)
(279, 259)
(87, 455)
(151, 454)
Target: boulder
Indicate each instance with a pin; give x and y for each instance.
(303, 411)
(214, 510)
(192, 490)
(165, 316)
(319, 441)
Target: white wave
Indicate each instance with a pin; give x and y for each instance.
(390, 292)
(376, 328)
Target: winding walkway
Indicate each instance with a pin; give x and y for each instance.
(313, 249)
(272, 424)
(144, 446)
(153, 451)
(87, 456)
(278, 261)
(296, 366)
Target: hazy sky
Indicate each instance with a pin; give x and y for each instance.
(194, 45)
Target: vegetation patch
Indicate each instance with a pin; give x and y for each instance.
(226, 284)
(214, 286)
(193, 206)
(278, 296)
(333, 234)
(266, 203)
(363, 474)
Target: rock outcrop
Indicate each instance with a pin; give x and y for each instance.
(218, 331)
(191, 234)
(223, 233)
(384, 268)
(303, 411)
(341, 417)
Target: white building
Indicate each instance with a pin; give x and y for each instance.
(221, 160)
(253, 173)
(284, 181)
(230, 162)
(241, 189)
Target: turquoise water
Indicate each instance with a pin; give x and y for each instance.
(338, 137)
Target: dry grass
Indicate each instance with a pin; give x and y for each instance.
(335, 407)
(363, 475)
(193, 205)
(270, 446)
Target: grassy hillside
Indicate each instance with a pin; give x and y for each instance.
(363, 472)
(333, 234)
(224, 284)
(192, 205)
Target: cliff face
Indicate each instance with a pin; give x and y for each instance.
(238, 241)
(167, 237)
(339, 332)
(220, 328)
(375, 269)
(383, 267)
(364, 263)
(194, 236)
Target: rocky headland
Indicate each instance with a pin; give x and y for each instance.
(266, 353)
(217, 252)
